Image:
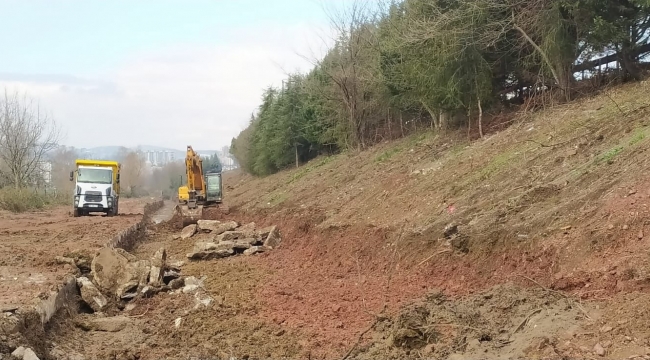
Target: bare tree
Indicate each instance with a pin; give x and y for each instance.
(27, 134)
(63, 161)
(133, 175)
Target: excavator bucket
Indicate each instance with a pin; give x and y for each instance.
(189, 215)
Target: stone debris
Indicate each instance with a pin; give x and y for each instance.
(188, 231)
(91, 295)
(178, 322)
(118, 274)
(231, 239)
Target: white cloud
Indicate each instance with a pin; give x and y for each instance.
(183, 94)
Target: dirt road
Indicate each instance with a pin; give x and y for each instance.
(30, 243)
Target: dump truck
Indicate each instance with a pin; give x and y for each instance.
(202, 188)
(97, 187)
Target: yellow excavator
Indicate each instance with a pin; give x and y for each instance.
(202, 189)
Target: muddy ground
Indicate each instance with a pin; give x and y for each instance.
(30, 243)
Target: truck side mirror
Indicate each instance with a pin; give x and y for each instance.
(71, 175)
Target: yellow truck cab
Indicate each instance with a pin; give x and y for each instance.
(97, 187)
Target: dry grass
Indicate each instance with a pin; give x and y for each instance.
(22, 200)
(544, 172)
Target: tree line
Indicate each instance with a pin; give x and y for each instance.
(438, 64)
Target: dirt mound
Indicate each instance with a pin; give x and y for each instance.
(507, 322)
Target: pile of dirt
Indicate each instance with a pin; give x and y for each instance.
(506, 322)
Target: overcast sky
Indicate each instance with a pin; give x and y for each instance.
(155, 72)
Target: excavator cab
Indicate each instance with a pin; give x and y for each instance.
(213, 187)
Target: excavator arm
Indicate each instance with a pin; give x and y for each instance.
(195, 180)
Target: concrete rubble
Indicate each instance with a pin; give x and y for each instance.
(228, 239)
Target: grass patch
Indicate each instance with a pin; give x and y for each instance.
(386, 155)
(637, 138)
(21, 200)
(609, 156)
(305, 169)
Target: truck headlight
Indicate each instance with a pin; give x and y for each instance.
(76, 200)
(109, 200)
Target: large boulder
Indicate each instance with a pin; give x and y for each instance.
(188, 231)
(112, 272)
(208, 225)
(91, 295)
(273, 238)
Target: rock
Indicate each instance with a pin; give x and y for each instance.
(225, 226)
(176, 237)
(254, 250)
(273, 239)
(106, 324)
(157, 269)
(177, 283)
(30, 355)
(208, 225)
(188, 231)
(134, 276)
(606, 329)
(625, 227)
(149, 291)
(130, 307)
(230, 236)
(107, 268)
(192, 280)
(170, 275)
(91, 295)
(178, 322)
(190, 288)
(61, 260)
(130, 257)
(599, 350)
(176, 265)
(242, 244)
(202, 300)
(264, 233)
(18, 353)
(207, 255)
(67, 354)
(210, 246)
(640, 234)
(248, 227)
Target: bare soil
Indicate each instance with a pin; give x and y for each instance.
(30, 242)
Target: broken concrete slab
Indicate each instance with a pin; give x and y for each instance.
(91, 295)
(273, 239)
(242, 244)
(104, 324)
(188, 231)
(170, 275)
(208, 225)
(61, 260)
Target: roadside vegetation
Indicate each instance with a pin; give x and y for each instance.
(410, 66)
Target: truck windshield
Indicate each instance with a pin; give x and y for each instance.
(95, 176)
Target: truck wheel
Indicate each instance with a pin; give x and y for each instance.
(110, 212)
(75, 213)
